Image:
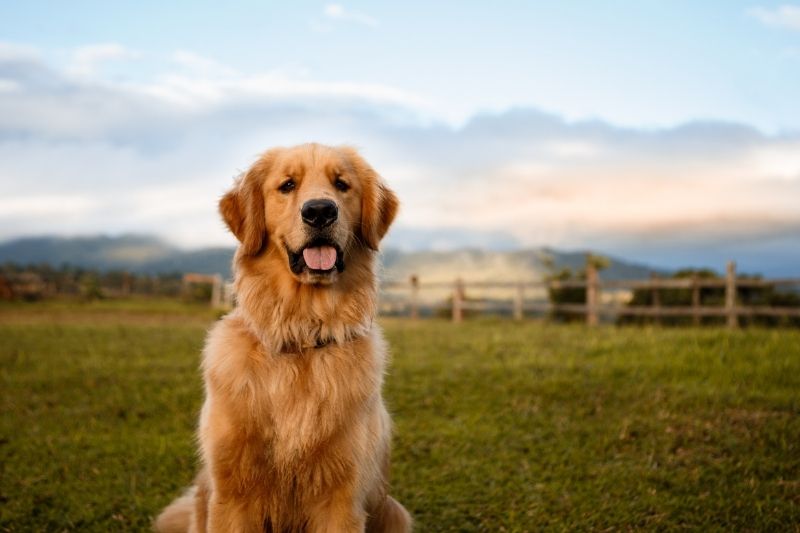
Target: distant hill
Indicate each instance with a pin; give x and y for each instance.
(150, 255)
(99, 252)
(136, 253)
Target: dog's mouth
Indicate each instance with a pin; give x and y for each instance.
(319, 256)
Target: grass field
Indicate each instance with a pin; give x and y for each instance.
(499, 426)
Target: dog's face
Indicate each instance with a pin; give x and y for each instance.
(314, 204)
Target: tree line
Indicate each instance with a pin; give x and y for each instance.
(39, 281)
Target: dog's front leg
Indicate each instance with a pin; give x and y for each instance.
(338, 513)
(231, 459)
(226, 516)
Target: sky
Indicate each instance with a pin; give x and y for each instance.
(662, 131)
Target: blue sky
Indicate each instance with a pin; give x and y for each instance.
(645, 63)
(665, 131)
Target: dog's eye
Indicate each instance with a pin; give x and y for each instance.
(287, 186)
(341, 185)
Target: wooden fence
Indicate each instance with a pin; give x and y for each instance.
(221, 293)
(594, 307)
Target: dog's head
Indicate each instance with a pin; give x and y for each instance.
(314, 204)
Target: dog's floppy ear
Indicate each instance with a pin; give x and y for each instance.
(379, 203)
(242, 208)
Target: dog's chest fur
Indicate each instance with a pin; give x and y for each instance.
(292, 419)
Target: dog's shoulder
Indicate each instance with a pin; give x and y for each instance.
(231, 352)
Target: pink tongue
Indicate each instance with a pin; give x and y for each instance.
(320, 258)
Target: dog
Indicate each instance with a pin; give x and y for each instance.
(293, 434)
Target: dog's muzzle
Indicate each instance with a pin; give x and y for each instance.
(319, 256)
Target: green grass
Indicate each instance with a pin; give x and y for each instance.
(498, 426)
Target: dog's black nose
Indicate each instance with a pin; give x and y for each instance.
(319, 213)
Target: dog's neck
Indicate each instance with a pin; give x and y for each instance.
(290, 317)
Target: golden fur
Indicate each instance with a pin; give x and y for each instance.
(293, 434)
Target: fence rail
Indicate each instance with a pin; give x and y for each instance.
(593, 308)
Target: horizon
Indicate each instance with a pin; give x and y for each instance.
(388, 248)
(667, 134)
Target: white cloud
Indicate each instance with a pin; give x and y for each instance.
(198, 91)
(12, 52)
(87, 59)
(9, 86)
(338, 12)
(573, 149)
(95, 103)
(780, 161)
(44, 205)
(90, 154)
(201, 65)
(784, 16)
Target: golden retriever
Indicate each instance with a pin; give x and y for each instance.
(293, 434)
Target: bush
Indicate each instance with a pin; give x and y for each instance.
(768, 296)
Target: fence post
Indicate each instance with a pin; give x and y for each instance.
(458, 301)
(414, 311)
(216, 291)
(656, 298)
(518, 301)
(730, 295)
(126, 284)
(591, 293)
(229, 295)
(695, 300)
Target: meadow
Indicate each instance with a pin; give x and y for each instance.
(499, 426)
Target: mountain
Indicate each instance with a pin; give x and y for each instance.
(99, 252)
(482, 265)
(150, 255)
(136, 253)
